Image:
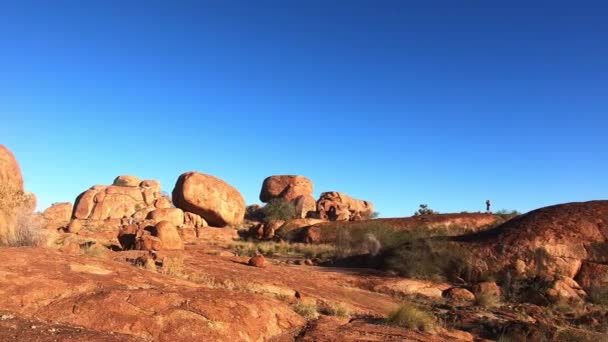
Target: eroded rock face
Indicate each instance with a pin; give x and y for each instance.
(219, 203)
(337, 206)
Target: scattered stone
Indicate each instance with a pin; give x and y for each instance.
(257, 261)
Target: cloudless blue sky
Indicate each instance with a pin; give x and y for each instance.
(448, 102)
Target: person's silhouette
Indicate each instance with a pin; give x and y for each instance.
(488, 204)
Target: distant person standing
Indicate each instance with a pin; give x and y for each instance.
(488, 204)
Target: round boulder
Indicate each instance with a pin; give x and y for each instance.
(257, 261)
(169, 236)
(219, 203)
(286, 187)
(173, 215)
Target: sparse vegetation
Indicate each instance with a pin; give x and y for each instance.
(269, 248)
(487, 300)
(19, 227)
(173, 266)
(507, 214)
(278, 209)
(368, 237)
(338, 310)
(306, 309)
(92, 249)
(411, 316)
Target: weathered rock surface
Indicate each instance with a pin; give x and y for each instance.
(107, 296)
(219, 203)
(337, 206)
(550, 242)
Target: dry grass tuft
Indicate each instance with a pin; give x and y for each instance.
(411, 316)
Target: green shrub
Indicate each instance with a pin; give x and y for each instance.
(411, 316)
(278, 209)
(425, 210)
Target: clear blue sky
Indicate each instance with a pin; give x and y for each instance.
(448, 102)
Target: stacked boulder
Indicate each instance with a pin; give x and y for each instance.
(337, 206)
(294, 189)
(127, 209)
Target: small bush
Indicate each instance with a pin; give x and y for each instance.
(306, 310)
(411, 316)
(338, 310)
(278, 209)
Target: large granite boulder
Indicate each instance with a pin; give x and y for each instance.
(216, 201)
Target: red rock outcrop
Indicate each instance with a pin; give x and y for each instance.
(337, 206)
(103, 295)
(551, 242)
(219, 203)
